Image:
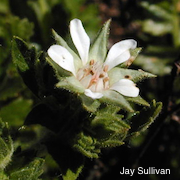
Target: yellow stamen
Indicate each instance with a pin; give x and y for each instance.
(105, 68)
(91, 62)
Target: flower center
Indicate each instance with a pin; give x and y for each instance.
(94, 76)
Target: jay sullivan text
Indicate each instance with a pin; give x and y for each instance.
(141, 170)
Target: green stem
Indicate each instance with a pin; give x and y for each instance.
(175, 21)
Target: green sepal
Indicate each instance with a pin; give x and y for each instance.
(143, 119)
(60, 41)
(58, 70)
(134, 53)
(135, 75)
(70, 84)
(89, 104)
(138, 100)
(98, 50)
(6, 145)
(114, 98)
(30, 172)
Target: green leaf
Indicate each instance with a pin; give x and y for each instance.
(20, 54)
(6, 145)
(30, 172)
(45, 77)
(114, 98)
(15, 112)
(98, 51)
(108, 128)
(86, 14)
(3, 176)
(142, 120)
(43, 11)
(111, 123)
(4, 8)
(109, 115)
(111, 143)
(36, 73)
(43, 115)
(157, 11)
(108, 125)
(155, 53)
(70, 175)
(70, 161)
(24, 58)
(86, 145)
(155, 63)
(21, 27)
(156, 28)
(12, 91)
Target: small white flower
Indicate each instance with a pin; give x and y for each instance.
(92, 74)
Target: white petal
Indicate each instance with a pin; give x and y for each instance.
(118, 60)
(126, 87)
(80, 39)
(62, 57)
(93, 95)
(119, 49)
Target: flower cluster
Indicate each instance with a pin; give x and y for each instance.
(93, 74)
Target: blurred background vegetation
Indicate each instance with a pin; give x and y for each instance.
(155, 24)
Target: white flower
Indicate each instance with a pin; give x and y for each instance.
(92, 74)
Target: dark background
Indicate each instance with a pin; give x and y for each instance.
(155, 26)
